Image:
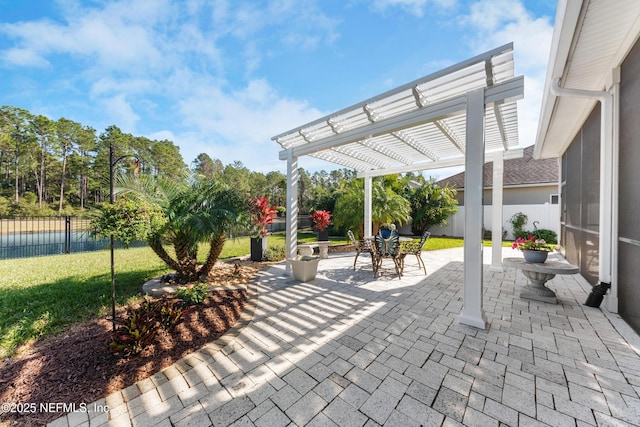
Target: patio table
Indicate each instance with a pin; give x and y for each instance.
(538, 273)
(377, 261)
(401, 239)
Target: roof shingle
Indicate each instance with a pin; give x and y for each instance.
(522, 171)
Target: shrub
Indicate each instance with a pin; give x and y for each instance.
(170, 312)
(321, 220)
(548, 236)
(262, 214)
(518, 220)
(487, 235)
(136, 332)
(128, 220)
(5, 206)
(431, 205)
(167, 312)
(194, 294)
(141, 325)
(276, 253)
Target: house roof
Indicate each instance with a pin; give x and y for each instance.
(590, 39)
(420, 125)
(521, 171)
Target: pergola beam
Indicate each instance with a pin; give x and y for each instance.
(509, 90)
(435, 111)
(447, 163)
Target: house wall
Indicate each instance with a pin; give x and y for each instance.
(547, 215)
(517, 195)
(580, 196)
(629, 199)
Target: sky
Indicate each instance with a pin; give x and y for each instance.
(222, 77)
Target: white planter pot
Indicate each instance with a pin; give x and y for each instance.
(304, 270)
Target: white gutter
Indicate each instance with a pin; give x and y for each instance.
(606, 172)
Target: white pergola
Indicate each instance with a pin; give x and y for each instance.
(453, 117)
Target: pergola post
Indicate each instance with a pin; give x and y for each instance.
(367, 206)
(496, 212)
(291, 244)
(472, 313)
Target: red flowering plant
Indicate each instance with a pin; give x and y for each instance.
(321, 220)
(532, 244)
(262, 214)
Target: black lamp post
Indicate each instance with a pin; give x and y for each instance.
(112, 165)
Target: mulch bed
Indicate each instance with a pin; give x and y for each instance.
(77, 367)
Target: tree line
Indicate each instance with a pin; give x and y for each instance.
(50, 167)
(61, 166)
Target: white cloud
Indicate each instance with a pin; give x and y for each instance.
(497, 22)
(23, 58)
(117, 37)
(119, 110)
(162, 135)
(109, 85)
(414, 7)
(239, 125)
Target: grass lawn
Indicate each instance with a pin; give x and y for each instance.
(435, 243)
(41, 296)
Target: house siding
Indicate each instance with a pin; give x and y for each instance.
(517, 196)
(629, 194)
(526, 180)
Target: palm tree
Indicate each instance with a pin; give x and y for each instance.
(387, 206)
(431, 205)
(197, 211)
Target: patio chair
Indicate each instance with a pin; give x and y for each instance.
(360, 246)
(414, 248)
(387, 249)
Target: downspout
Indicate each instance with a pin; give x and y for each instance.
(606, 164)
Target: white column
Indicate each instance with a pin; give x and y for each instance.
(291, 244)
(496, 212)
(367, 206)
(472, 313)
(611, 299)
(606, 198)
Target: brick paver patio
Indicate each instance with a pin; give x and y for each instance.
(350, 350)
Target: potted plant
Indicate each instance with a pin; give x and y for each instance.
(534, 250)
(321, 220)
(305, 268)
(262, 216)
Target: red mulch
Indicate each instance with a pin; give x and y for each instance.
(77, 367)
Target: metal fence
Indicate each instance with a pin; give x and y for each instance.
(280, 224)
(24, 237)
